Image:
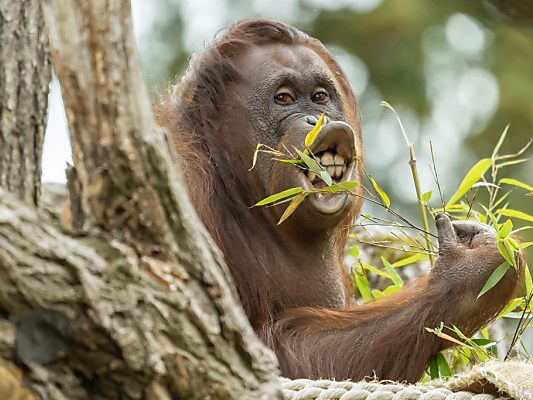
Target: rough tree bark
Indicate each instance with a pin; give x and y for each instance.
(24, 77)
(138, 303)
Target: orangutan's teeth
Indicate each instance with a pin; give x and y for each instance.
(331, 170)
(338, 171)
(339, 160)
(327, 159)
(343, 169)
(311, 176)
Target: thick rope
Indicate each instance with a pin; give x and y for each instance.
(304, 389)
(490, 381)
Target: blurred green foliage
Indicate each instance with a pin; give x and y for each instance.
(457, 73)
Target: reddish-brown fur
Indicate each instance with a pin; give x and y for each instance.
(292, 292)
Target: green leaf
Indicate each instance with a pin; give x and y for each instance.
(392, 289)
(340, 187)
(434, 369)
(528, 281)
(353, 251)
(506, 251)
(494, 278)
(381, 192)
(525, 245)
(510, 307)
(500, 142)
(501, 199)
(505, 230)
(519, 314)
(425, 197)
(292, 206)
(513, 162)
(486, 347)
(311, 164)
(515, 214)
(288, 161)
(376, 271)
(313, 133)
(492, 217)
(483, 342)
(474, 175)
(444, 368)
(392, 272)
(516, 182)
(410, 260)
(364, 287)
(326, 178)
(279, 196)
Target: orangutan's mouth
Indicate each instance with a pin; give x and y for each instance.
(334, 150)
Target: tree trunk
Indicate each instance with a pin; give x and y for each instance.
(138, 303)
(24, 77)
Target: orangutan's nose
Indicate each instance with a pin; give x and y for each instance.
(312, 120)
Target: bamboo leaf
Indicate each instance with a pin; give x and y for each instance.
(515, 214)
(279, 196)
(505, 251)
(380, 192)
(392, 272)
(485, 184)
(516, 182)
(506, 229)
(474, 175)
(340, 187)
(377, 271)
(426, 197)
(434, 369)
(528, 281)
(353, 251)
(500, 142)
(494, 278)
(445, 336)
(326, 178)
(525, 245)
(313, 133)
(510, 307)
(311, 163)
(363, 286)
(391, 289)
(288, 161)
(492, 217)
(444, 368)
(519, 314)
(513, 162)
(254, 160)
(292, 206)
(410, 260)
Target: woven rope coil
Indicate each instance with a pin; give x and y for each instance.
(305, 389)
(491, 381)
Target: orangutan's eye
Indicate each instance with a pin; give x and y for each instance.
(284, 96)
(320, 96)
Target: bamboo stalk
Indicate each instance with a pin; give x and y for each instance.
(423, 213)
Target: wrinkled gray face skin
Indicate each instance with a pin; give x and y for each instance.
(286, 89)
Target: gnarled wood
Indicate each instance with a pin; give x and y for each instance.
(25, 72)
(138, 304)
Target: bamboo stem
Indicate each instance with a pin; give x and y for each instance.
(414, 172)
